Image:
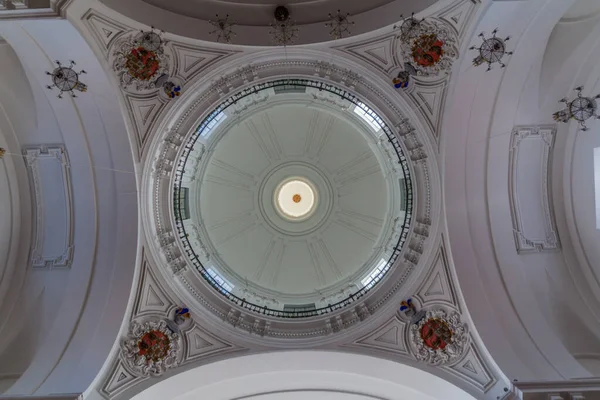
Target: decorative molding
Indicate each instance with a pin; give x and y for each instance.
(189, 61)
(145, 363)
(201, 344)
(444, 40)
(50, 179)
(429, 98)
(139, 77)
(144, 112)
(119, 379)
(473, 369)
(103, 29)
(389, 337)
(151, 298)
(437, 286)
(459, 14)
(447, 327)
(378, 52)
(531, 206)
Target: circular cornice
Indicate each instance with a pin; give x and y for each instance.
(192, 109)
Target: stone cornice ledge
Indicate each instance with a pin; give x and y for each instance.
(29, 13)
(59, 7)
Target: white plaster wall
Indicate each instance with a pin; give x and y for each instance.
(522, 304)
(66, 335)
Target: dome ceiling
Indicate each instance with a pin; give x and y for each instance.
(291, 205)
(252, 18)
(287, 255)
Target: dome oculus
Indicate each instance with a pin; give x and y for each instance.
(295, 199)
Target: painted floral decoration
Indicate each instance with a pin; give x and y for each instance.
(154, 346)
(140, 60)
(151, 348)
(439, 338)
(427, 50)
(431, 48)
(142, 64)
(436, 334)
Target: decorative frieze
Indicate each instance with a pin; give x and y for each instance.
(440, 337)
(151, 348)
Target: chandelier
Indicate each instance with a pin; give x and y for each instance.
(581, 108)
(223, 29)
(283, 29)
(66, 79)
(410, 28)
(339, 24)
(491, 50)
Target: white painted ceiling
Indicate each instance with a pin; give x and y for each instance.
(337, 246)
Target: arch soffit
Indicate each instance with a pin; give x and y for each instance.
(504, 311)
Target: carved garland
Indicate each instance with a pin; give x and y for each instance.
(140, 62)
(429, 50)
(439, 338)
(151, 348)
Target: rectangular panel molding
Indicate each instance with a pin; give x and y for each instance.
(534, 225)
(50, 182)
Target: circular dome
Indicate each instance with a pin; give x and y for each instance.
(292, 208)
(295, 199)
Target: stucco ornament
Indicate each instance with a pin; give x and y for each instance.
(140, 60)
(439, 338)
(151, 348)
(431, 48)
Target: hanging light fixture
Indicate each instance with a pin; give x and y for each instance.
(339, 24)
(283, 29)
(581, 108)
(223, 29)
(66, 79)
(409, 28)
(491, 51)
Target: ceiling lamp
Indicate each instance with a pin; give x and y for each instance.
(491, 50)
(580, 109)
(339, 24)
(283, 29)
(66, 79)
(409, 28)
(223, 29)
